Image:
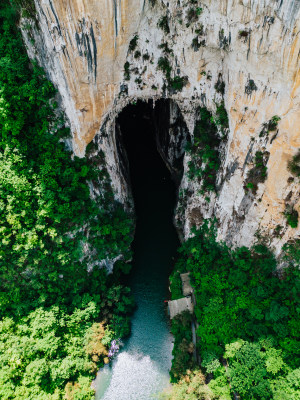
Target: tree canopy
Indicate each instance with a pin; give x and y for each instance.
(59, 309)
(247, 312)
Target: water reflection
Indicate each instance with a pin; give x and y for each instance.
(132, 377)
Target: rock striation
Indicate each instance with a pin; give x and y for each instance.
(105, 54)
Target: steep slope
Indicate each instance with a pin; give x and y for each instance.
(104, 55)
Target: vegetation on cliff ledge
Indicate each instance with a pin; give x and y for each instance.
(204, 151)
(59, 310)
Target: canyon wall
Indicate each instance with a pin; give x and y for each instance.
(105, 54)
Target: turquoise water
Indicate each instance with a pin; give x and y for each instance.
(141, 369)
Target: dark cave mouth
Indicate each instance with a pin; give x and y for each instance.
(145, 130)
(151, 140)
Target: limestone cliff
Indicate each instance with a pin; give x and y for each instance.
(104, 54)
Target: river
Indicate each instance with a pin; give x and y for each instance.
(141, 369)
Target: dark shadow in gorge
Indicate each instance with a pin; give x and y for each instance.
(156, 240)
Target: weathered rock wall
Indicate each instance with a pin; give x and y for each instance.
(250, 45)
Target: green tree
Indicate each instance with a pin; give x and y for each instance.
(53, 236)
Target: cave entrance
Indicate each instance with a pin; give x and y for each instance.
(151, 145)
(152, 139)
(153, 172)
(158, 125)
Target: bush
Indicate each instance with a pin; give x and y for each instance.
(164, 65)
(220, 85)
(244, 34)
(146, 57)
(250, 87)
(269, 126)
(193, 14)
(133, 43)
(127, 71)
(165, 48)
(163, 24)
(27, 8)
(176, 285)
(257, 174)
(292, 217)
(294, 165)
(177, 83)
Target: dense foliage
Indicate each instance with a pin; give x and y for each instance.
(52, 237)
(190, 387)
(183, 346)
(44, 350)
(248, 316)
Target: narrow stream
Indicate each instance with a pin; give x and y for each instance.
(141, 370)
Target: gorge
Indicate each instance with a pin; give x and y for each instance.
(141, 370)
(143, 139)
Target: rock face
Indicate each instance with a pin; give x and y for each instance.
(104, 54)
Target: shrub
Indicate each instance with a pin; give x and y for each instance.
(269, 126)
(292, 217)
(250, 87)
(220, 85)
(197, 43)
(164, 65)
(191, 387)
(133, 43)
(273, 123)
(165, 48)
(27, 7)
(176, 285)
(294, 165)
(199, 30)
(127, 71)
(146, 57)
(193, 14)
(177, 83)
(243, 34)
(222, 116)
(257, 174)
(163, 24)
